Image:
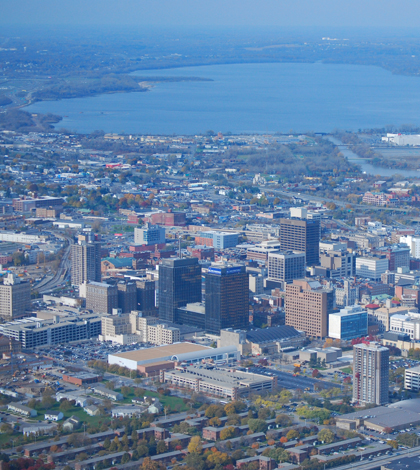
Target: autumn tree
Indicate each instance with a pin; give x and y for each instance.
(292, 434)
(195, 446)
(227, 433)
(326, 436)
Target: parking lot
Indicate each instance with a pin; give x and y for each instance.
(293, 382)
(406, 363)
(87, 351)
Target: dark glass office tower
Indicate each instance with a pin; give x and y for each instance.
(227, 298)
(179, 284)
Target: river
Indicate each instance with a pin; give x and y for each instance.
(367, 167)
(250, 98)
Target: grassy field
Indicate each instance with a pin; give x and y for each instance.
(347, 370)
(174, 403)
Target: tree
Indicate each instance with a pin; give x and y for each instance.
(283, 420)
(214, 410)
(126, 391)
(6, 428)
(47, 401)
(75, 440)
(315, 373)
(227, 433)
(148, 464)
(326, 436)
(65, 405)
(215, 422)
(230, 409)
(264, 413)
(195, 446)
(283, 440)
(257, 425)
(392, 443)
(292, 434)
(125, 458)
(161, 447)
(18, 258)
(82, 456)
(110, 385)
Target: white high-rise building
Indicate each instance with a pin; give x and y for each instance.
(370, 373)
(413, 243)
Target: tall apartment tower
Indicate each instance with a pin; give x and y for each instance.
(15, 298)
(300, 234)
(370, 373)
(307, 307)
(227, 298)
(85, 262)
(179, 284)
(286, 266)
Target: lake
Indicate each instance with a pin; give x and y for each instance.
(250, 98)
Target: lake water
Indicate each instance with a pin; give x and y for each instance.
(250, 98)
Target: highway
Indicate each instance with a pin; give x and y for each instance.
(337, 202)
(377, 462)
(63, 271)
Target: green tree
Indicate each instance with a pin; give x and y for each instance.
(257, 425)
(161, 447)
(65, 405)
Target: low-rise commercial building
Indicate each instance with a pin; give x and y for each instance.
(179, 352)
(82, 378)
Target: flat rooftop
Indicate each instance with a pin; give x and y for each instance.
(221, 376)
(161, 351)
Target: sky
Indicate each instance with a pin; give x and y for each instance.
(291, 13)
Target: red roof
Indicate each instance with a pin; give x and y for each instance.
(372, 306)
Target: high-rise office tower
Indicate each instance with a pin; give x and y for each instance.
(146, 297)
(179, 284)
(286, 266)
(127, 296)
(307, 307)
(370, 373)
(15, 297)
(85, 262)
(299, 234)
(227, 298)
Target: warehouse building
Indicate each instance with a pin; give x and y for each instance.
(400, 415)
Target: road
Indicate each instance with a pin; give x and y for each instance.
(377, 462)
(63, 271)
(337, 202)
(286, 380)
